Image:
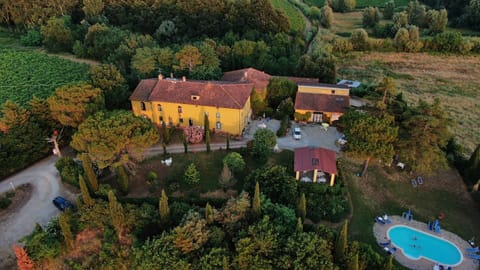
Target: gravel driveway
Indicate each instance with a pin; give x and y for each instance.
(312, 135)
(39, 209)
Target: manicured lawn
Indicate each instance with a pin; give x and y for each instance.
(209, 165)
(390, 191)
(297, 23)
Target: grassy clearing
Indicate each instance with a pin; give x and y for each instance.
(390, 191)
(297, 24)
(345, 23)
(362, 3)
(451, 78)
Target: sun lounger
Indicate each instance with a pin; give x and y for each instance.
(380, 220)
(420, 180)
(474, 256)
(414, 183)
(475, 249)
(385, 244)
(390, 251)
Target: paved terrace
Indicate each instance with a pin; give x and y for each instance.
(380, 232)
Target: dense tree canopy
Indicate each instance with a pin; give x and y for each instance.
(424, 135)
(369, 136)
(114, 138)
(70, 105)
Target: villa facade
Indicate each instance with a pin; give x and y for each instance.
(182, 103)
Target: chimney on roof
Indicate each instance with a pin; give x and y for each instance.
(171, 75)
(160, 77)
(245, 74)
(184, 78)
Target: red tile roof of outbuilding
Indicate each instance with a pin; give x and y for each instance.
(304, 156)
(321, 102)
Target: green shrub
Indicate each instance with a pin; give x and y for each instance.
(31, 38)
(68, 170)
(282, 131)
(5, 202)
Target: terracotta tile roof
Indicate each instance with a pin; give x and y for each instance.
(300, 80)
(321, 102)
(324, 85)
(210, 93)
(143, 90)
(257, 77)
(325, 160)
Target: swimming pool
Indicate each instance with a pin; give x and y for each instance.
(416, 244)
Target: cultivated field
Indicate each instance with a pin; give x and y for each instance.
(453, 79)
(26, 74)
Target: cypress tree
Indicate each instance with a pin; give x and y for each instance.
(88, 168)
(163, 208)
(85, 194)
(256, 201)
(353, 263)
(116, 214)
(123, 179)
(299, 225)
(473, 170)
(341, 245)
(389, 263)
(165, 133)
(206, 125)
(228, 142)
(64, 223)
(185, 142)
(207, 140)
(302, 207)
(209, 213)
(225, 264)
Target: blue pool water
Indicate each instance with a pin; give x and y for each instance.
(416, 244)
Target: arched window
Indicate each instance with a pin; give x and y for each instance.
(218, 114)
(159, 107)
(218, 125)
(179, 109)
(142, 106)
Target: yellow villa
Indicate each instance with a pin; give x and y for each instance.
(182, 103)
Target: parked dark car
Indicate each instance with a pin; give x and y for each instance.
(62, 204)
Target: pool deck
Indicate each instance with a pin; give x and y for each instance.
(380, 232)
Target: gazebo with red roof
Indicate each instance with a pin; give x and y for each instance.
(315, 159)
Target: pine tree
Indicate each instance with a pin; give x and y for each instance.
(256, 201)
(302, 207)
(191, 175)
(88, 168)
(207, 140)
(163, 208)
(341, 245)
(85, 194)
(353, 263)
(23, 261)
(116, 214)
(64, 223)
(299, 225)
(209, 213)
(228, 142)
